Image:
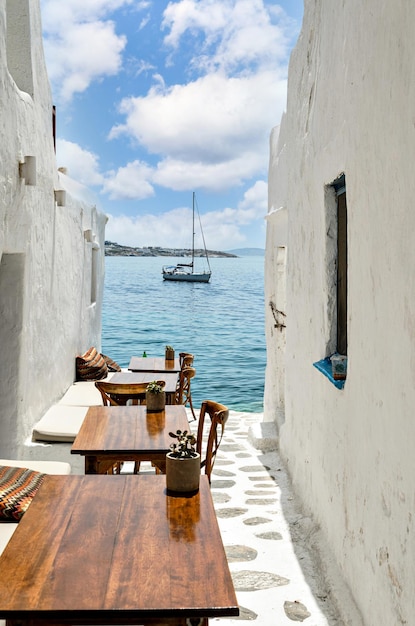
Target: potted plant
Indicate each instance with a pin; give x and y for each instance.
(155, 396)
(169, 353)
(183, 463)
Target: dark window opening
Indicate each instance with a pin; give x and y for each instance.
(54, 126)
(340, 189)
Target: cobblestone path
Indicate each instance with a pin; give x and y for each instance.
(276, 581)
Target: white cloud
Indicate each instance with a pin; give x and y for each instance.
(213, 132)
(136, 180)
(209, 16)
(79, 46)
(81, 164)
(151, 230)
(256, 199)
(172, 229)
(236, 33)
(249, 210)
(56, 13)
(210, 117)
(222, 229)
(183, 175)
(129, 182)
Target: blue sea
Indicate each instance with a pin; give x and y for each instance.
(221, 323)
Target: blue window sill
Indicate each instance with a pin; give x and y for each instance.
(324, 366)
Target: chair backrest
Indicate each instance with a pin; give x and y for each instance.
(218, 414)
(119, 394)
(186, 359)
(183, 395)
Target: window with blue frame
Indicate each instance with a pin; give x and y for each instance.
(335, 370)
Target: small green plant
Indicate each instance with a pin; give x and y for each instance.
(169, 348)
(185, 446)
(156, 386)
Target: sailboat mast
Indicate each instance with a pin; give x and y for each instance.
(193, 230)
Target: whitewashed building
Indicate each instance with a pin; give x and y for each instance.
(340, 277)
(51, 246)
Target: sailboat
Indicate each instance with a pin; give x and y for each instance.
(185, 272)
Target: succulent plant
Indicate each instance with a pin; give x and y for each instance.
(185, 446)
(156, 386)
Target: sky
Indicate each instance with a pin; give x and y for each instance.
(156, 100)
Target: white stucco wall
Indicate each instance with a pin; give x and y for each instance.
(275, 285)
(350, 109)
(46, 314)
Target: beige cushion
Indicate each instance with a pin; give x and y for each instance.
(60, 423)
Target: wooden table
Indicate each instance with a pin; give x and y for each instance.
(170, 379)
(127, 433)
(153, 364)
(119, 550)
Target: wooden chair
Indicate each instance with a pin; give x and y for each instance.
(183, 393)
(186, 359)
(207, 449)
(120, 394)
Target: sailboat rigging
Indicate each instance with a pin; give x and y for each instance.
(185, 272)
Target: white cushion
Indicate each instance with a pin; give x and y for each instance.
(46, 467)
(60, 423)
(83, 393)
(6, 531)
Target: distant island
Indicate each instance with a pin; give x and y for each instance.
(115, 249)
(248, 252)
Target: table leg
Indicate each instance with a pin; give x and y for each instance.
(91, 465)
(160, 466)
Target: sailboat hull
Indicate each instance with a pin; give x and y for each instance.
(203, 277)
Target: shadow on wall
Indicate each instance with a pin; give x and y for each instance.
(11, 321)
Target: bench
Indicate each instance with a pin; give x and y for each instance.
(62, 421)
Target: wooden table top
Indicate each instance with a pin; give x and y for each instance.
(170, 378)
(128, 429)
(153, 364)
(112, 550)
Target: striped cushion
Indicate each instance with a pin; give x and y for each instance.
(91, 366)
(18, 486)
(111, 364)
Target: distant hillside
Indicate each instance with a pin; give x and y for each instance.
(115, 249)
(248, 252)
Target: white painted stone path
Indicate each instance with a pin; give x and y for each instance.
(275, 577)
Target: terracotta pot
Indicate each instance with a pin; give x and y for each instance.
(182, 475)
(155, 401)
